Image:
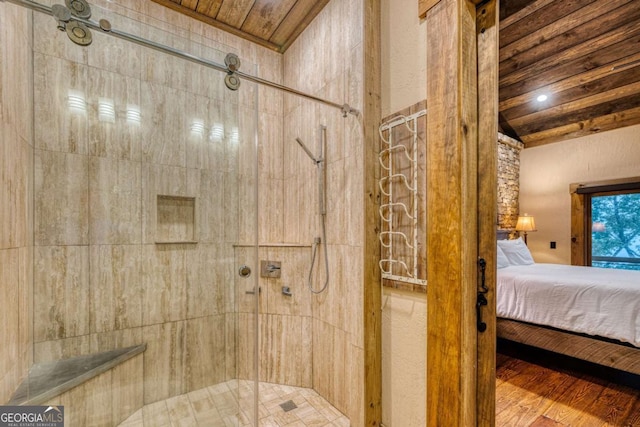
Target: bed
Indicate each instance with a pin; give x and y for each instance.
(584, 312)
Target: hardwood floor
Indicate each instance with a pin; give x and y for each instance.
(554, 394)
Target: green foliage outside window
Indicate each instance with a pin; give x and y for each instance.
(616, 230)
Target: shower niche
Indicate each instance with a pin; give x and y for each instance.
(176, 219)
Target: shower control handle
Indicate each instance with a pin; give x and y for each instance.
(271, 268)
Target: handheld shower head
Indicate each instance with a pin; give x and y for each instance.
(306, 150)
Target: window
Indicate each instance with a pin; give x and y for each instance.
(609, 216)
(615, 230)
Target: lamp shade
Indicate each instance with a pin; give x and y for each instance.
(526, 223)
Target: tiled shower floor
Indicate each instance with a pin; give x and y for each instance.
(217, 406)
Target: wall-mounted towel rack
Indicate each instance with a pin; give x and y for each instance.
(399, 205)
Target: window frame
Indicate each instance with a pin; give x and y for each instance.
(581, 219)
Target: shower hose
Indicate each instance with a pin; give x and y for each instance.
(317, 241)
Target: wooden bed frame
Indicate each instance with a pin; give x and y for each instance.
(613, 354)
(602, 351)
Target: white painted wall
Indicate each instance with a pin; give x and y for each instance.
(404, 314)
(404, 55)
(404, 343)
(547, 171)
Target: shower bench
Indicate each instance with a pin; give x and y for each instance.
(47, 380)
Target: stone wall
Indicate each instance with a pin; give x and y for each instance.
(508, 181)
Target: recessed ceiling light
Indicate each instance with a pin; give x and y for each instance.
(542, 98)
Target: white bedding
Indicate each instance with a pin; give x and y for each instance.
(595, 301)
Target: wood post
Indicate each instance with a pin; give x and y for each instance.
(372, 309)
(578, 235)
(460, 140)
(487, 25)
(452, 126)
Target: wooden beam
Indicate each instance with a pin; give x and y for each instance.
(452, 135)
(613, 95)
(578, 80)
(607, 83)
(617, 120)
(487, 42)
(424, 6)
(586, 114)
(372, 280)
(611, 354)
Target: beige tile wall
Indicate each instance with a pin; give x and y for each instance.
(327, 60)
(16, 190)
(101, 281)
(285, 322)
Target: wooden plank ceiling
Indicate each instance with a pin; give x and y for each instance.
(584, 55)
(271, 23)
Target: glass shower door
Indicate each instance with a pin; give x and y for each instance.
(145, 208)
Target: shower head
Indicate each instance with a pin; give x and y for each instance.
(306, 150)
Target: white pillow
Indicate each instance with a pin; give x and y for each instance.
(502, 260)
(516, 251)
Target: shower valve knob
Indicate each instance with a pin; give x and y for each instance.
(244, 271)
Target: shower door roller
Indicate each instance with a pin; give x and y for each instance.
(244, 271)
(79, 33)
(79, 8)
(232, 81)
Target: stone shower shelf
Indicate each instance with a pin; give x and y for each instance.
(47, 380)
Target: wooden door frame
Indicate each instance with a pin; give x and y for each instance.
(462, 102)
